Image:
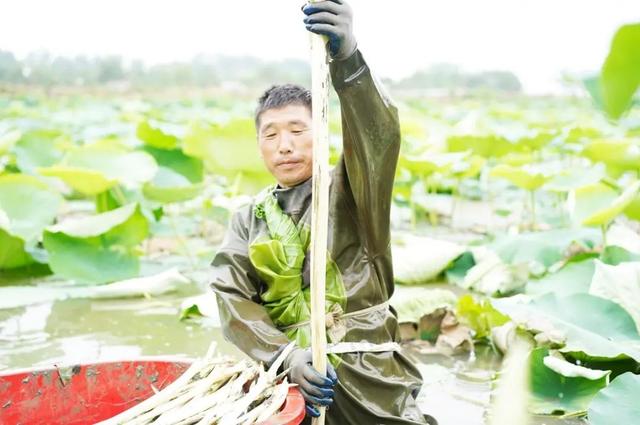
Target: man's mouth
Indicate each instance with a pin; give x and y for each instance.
(288, 163)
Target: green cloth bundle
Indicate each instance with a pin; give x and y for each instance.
(278, 258)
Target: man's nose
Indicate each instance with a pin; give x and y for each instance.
(286, 143)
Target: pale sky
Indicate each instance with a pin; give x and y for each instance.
(536, 39)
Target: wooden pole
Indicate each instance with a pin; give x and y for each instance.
(320, 204)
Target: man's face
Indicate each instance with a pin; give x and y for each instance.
(286, 143)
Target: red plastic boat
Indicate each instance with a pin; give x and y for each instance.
(86, 394)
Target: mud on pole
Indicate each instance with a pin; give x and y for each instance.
(320, 203)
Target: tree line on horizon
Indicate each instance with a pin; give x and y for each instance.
(44, 69)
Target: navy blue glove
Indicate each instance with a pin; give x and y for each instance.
(315, 388)
(333, 18)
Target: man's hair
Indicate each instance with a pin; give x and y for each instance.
(280, 96)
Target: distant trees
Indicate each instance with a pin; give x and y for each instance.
(450, 77)
(43, 69)
(10, 68)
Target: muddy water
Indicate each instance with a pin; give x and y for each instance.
(456, 389)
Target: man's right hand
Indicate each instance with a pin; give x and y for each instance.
(333, 18)
(315, 388)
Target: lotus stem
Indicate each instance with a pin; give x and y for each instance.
(533, 209)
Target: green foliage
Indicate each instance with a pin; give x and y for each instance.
(176, 160)
(12, 252)
(633, 209)
(95, 168)
(87, 182)
(169, 186)
(618, 155)
(555, 394)
(428, 163)
(97, 249)
(491, 146)
(598, 204)
(620, 284)
(614, 255)
(480, 316)
(524, 178)
(417, 260)
(190, 312)
(413, 303)
(27, 206)
(574, 278)
(595, 328)
(574, 178)
(38, 148)
(230, 150)
(618, 403)
(458, 270)
(155, 137)
(620, 76)
(544, 248)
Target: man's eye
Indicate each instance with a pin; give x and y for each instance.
(270, 136)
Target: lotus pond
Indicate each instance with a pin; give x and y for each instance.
(516, 240)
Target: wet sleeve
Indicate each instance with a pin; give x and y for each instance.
(371, 142)
(245, 322)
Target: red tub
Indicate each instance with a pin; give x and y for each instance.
(89, 393)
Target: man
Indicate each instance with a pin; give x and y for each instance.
(261, 272)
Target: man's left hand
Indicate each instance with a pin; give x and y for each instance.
(333, 18)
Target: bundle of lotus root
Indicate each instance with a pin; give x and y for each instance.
(214, 390)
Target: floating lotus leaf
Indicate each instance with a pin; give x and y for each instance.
(88, 182)
(12, 252)
(27, 206)
(518, 159)
(545, 248)
(491, 146)
(428, 163)
(620, 284)
(418, 260)
(596, 329)
(38, 148)
(538, 140)
(230, 150)
(155, 137)
(524, 178)
(414, 302)
(96, 168)
(633, 209)
(618, 403)
(554, 393)
(480, 316)
(574, 278)
(169, 186)
(618, 155)
(99, 248)
(598, 204)
(574, 178)
(469, 168)
(176, 160)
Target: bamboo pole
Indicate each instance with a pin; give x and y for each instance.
(320, 204)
